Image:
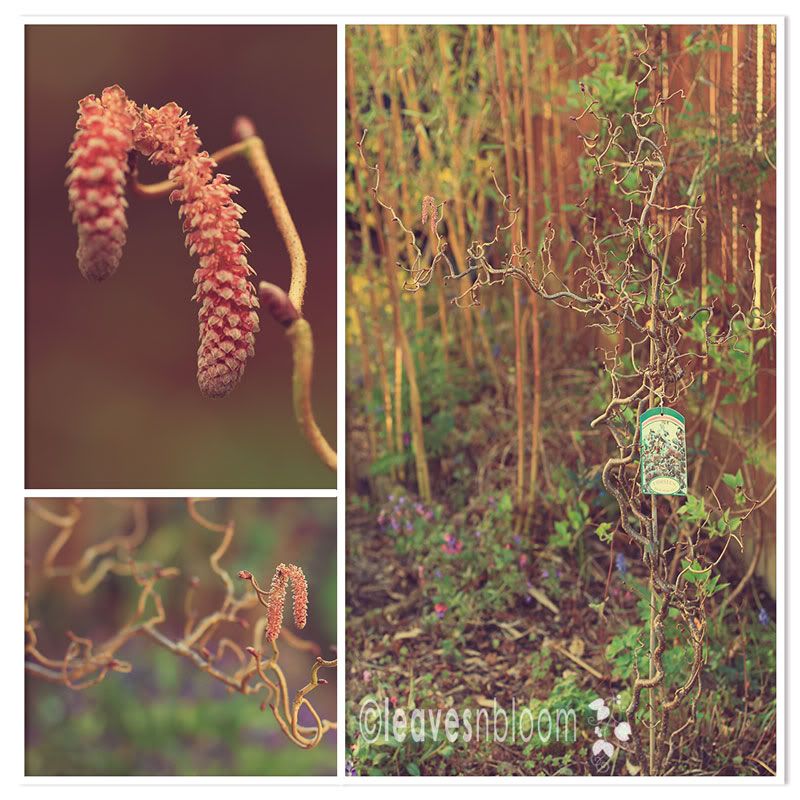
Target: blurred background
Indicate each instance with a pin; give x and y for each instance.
(111, 395)
(166, 717)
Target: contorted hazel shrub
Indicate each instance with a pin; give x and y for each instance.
(108, 131)
(96, 184)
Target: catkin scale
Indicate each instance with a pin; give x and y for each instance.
(99, 168)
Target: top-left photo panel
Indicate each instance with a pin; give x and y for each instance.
(180, 251)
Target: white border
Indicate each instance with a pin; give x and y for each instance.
(12, 405)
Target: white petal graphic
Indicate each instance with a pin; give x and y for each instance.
(623, 731)
(602, 746)
(595, 704)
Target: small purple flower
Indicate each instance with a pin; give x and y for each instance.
(545, 573)
(477, 534)
(621, 563)
(437, 573)
(517, 540)
(763, 617)
(349, 768)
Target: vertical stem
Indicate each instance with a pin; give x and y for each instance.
(366, 257)
(654, 290)
(652, 671)
(559, 159)
(402, 344)
(457, 232)
(758, 236)
(445, 335)
(391, 39)
(735, 139)
(487, 348)
(704, 289)
(534, 300)
(362, 334)
(398, 403)
(509, 154)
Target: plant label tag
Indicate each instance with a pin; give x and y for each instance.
(663, 451)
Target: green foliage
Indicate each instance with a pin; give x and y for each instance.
(171, 726)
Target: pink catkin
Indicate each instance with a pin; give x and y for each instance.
(276, 599)
(299, 595)
(275, 603)
(96, 184)
(228, 301)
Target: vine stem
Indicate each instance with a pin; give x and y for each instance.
(654, 288)
(651, 691)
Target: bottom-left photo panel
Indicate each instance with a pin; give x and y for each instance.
(180, 637)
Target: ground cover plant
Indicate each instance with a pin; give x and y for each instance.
(152, 654)
(495, 451)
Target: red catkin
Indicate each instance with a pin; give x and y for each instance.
(228, 301)
(299, 595)
(275, 603)
(428, 209)
(99, 168)
(276, 599)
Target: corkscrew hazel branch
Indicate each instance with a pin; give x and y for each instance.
(300, 336)
(85, 664)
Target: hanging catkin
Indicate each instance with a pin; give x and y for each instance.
(228, 301)
(96, 183)
(285, 574)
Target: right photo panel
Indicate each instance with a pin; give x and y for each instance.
(562, 366)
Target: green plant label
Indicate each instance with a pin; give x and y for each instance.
(663, 448)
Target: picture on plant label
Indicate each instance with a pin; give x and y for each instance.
(175, 304)
(180, 637)
(562, 294)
